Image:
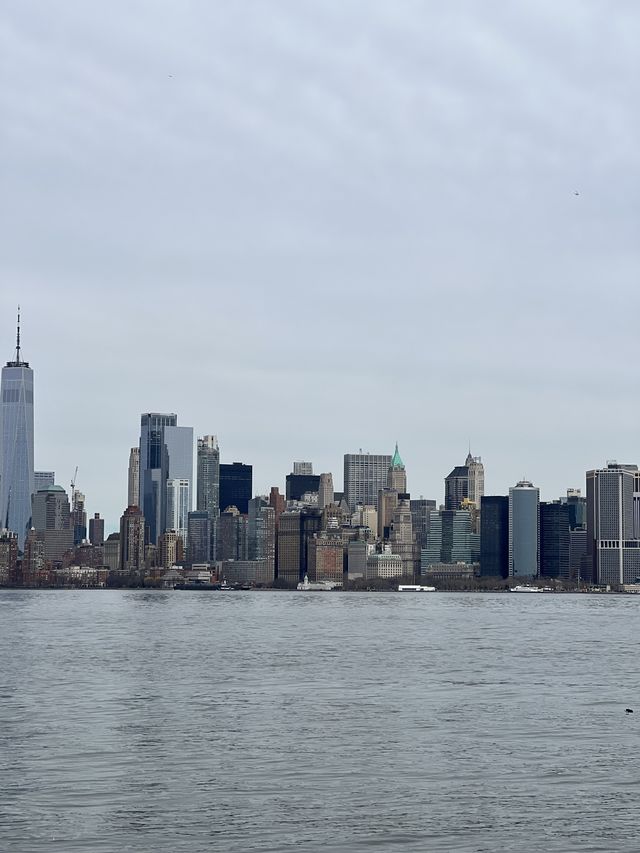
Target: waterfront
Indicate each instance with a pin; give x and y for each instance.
(142, 720)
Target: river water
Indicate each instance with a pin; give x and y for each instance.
(275, 721)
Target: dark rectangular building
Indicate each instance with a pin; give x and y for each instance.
(236, 485)
(554, 540)
(298, 484)
(494, 536)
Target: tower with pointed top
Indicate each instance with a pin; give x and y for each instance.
(476, 479)
(397, 474)
(16, 444)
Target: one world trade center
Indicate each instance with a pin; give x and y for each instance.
(16, 445)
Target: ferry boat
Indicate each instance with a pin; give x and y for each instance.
(527, 589)
(317, 586)
(410, 587)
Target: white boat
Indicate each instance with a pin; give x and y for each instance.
(317, 586)
(527, 589)
(410, 587)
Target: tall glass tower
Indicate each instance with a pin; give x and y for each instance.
(16, 450)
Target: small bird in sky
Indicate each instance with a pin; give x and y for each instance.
(575, 192)
(628, 710)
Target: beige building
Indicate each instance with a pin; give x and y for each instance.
(325, 560)
(384, 565)
(401, 535)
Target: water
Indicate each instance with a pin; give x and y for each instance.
(151, 721)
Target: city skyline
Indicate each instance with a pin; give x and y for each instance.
(192, 437)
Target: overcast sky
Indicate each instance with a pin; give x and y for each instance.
(314, 227)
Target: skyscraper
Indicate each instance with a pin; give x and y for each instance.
(133, 490)
(166, 453)
(613, 546)
(208, 483)
(365, 474)
(475, 470)
(325, 490)
(132, 525)
(450, 539)
(456, 487)
(298, 484)
(96, 530)
(198, 537)
(52, 521)
(178, 505)
(397, 474)
(78, 517)
(236, 483)
(554, 540)
(494, 536)
(16, 437)
(154, 470)
(524, 530)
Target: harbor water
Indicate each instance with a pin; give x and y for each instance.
(275, 721)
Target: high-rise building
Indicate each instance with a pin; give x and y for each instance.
(236, 486)
(475, 470)
(33, 560)
(154, 470)
(613, 549)
(401, 534)
(387, 503)
(294, 532)
(133, 486)
(365, 474)
(43, 479)
(78, 517)
(298, 484)
(52, 522)
(325, 490)
(96, 530)
(198, 537)
(450, 539)
(178, 506)
(456, 487)
(420, 513)
(325, 555)
(261, 532)
(169, 544)
(397, 474)
(554, 540)
(303, 468)
(208, 489)
(132, 524)
(111, 551)
(494, 536)
(16, 445)
(524, 530)
(232, 535)
(577, 506)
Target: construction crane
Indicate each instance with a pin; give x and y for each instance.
(73, 488)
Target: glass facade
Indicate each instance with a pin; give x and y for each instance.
(236, 484)
(16, 433)
(555, 519)
(524, 520)
(494, 536)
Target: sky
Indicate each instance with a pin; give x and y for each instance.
(314, 227)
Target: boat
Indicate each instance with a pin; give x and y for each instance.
(524, 588)
(196, 585)
(410, 587)
(317, 586)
